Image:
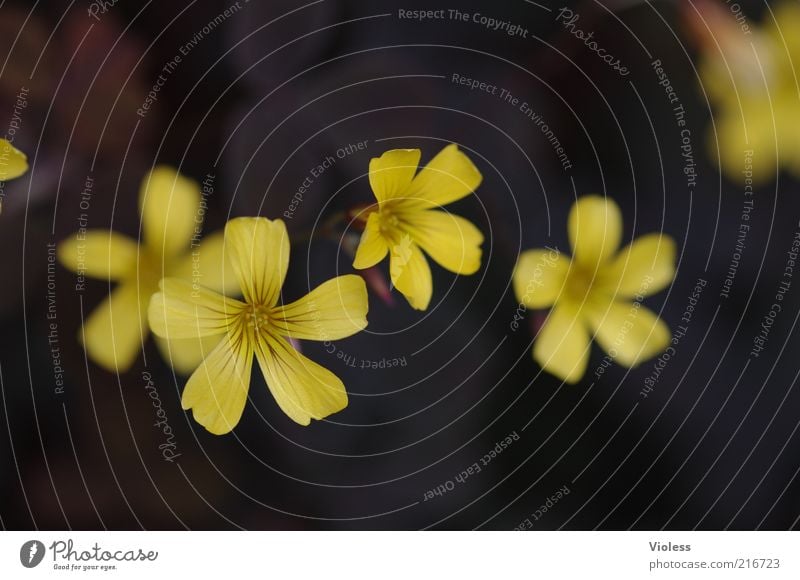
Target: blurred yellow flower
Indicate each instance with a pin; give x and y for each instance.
(750, 79)
(217, 390)
(597, 292)
(13, 162)
(169, 205)
(406, 220)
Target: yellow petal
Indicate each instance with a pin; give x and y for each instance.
(259, 251)
(187, 354)
(13, 162)
(630, 333)
(447, 178)
(539, 277)
(782, 30)
(101, 254)
(336, 309)
(169, 203)
(411, 274)
(373, 247)
(595, 230)
(217, 391)
(562, 345)
(452, 241)
(788, 117)
(643, 268)
(390, 174)
(755, 132)
(303, 389)
(183, 310)
(209, 265)
(114, 332)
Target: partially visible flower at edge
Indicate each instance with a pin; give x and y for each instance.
(13, 162)
(406, 220)
(169, 205)
(258, 326)
(597, 292)
(751, 81)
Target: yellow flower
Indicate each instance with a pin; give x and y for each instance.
(13, 162)
(598, 291)
(169, 205)
(752, 84)
(405, 220)
(217, 390)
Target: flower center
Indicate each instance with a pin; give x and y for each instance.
(256, 317)
(579, 283)
(390, 221)
(150, 272)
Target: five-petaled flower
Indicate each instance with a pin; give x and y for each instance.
(114, 333)
(407, 220)
(259, 326)
(598, 291)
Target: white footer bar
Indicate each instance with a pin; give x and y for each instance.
(401, 555)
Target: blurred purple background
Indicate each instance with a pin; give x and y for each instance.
(265, 96)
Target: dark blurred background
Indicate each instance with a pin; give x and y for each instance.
(264, 97)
